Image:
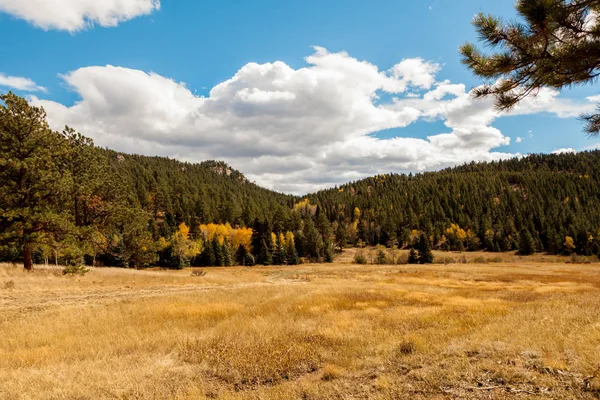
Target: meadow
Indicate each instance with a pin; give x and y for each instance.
(488, 327)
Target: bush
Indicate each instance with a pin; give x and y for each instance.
(402, 259)
(249, 260)
(407, 347)
(359, 258)
(9, 284)
(198, 272)
(479, 260)
(75, 270)
(448, 260)
(413, 257)
(381, 257)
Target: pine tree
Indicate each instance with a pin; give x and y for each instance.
(291, 253)
(34, 181)
(240, 255)
(279, 254)
(526, 243)
(264, 256)
(226, 253)
(413, 257)
(216, 256)
(424, 248)
(556, 47)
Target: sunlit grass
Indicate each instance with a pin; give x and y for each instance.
(520, 327)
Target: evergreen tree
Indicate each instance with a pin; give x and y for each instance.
(526, 243)
(279, 255)
(226, 261)
(424, 248)
(413, 256)
(556, 47)
(216, 255)
(34, 180)
(264, 255)
(341, 236)
(291, 253)
(240, 255)
(327, 251)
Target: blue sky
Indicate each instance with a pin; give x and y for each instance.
(186, 48)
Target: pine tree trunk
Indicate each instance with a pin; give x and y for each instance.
(27, 257)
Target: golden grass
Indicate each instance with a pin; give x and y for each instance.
(520, 328)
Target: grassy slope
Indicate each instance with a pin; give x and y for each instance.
(513, 329)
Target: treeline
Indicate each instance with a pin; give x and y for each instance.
(547, 203)
(64, 200)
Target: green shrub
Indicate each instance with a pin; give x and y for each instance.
(359, 258)
(75, 270)
(381, 257)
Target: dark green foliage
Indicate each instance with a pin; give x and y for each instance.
(327, 251)
(249, 260)
(34, 181)
(279, 254)
(556, 45)
(552, 196)
(424, 249)
(226, 261)
(292, 254)
(359, 258)
(240, 255)
(413, 257)
(526, 243)
(264, 255)
(381, 257)
(80, 270)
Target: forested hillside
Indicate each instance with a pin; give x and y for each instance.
(65, 200)
(497, 206)
(178, 192)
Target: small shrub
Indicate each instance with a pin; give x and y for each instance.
(494, 260)
(407, 347)
(75, 270)
(402, 259)
(479, 260)
(9, 284)
(249, 260)
(448, 260)
(359, 258)
(198, 272)
(463, 259)
(381, 257)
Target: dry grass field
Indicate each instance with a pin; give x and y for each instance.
(510, 329)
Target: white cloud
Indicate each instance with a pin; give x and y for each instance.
(294, 130)
(563, 151)
(75, 15)
(519, 139)
(19, 83)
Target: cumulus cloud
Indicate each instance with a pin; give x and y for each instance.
(20, 83)
(75, 15)
(294, 130)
